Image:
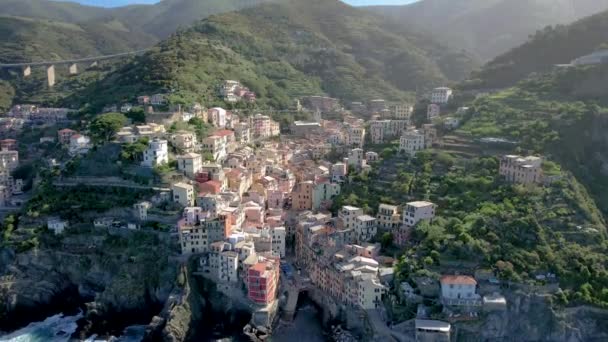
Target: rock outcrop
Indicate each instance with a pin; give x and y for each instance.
(129, 276)
(532, 315)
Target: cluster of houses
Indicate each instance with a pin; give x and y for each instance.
(233, 91)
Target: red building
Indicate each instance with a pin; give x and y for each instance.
(65, 135)
(210, 187)
(263, 281)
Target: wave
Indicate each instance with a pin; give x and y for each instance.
(56, 328)
(59, 328)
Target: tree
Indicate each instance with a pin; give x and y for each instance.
(386, 240)
(105, 126)
(137, 115)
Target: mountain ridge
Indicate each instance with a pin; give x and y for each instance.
(289, 49)
(485, 28)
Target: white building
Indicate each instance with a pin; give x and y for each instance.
(451, 122)
(227, 270)
(356, 158)
(56, 225)
(141, 210)
(156, 153)
(441, 95)
(242, 133)
(79, 144)
(415, 212)
(348, 214)
(366, 227)
(355, 136)
(370, 291)
(183, 194)
(217, 117)
(216, 146)
(371, 157)
(338, 172)
(402, 111)
(278, 235)
(459, 290)
(411, 142)
(184, 141)
(193, 239)
(190, 164)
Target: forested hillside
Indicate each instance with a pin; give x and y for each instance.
(286, 50)
(553, 45)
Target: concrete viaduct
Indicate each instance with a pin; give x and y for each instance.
(72, 64)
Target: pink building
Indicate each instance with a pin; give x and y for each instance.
(262, 281)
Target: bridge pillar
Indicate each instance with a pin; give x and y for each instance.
(73, 69)
(50, 75)
(27, 71)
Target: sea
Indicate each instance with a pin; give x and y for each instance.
(59, 328)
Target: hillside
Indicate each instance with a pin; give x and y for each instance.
(563, 114)
(159, 20)
(166, 17)
(488, 28)
(26, 39)
(556, 45)
(286, 50)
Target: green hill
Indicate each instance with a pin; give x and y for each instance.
(160, 19)
(286, 50)
(488, 28)
(26, 39)
(563, 114)
(553, 45)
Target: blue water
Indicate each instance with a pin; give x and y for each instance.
(59, 328)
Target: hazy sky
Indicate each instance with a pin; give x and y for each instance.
(114, 3)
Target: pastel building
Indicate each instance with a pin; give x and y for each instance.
(521, 170)
(411, 142)
(388, 216)
(262, 281)
(441, 95)
(415, 212)
(183, 194)
(156, 153)
(190, 163)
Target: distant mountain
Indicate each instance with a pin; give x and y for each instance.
(488, 28)
(159, 19)
(556, 45)
(285, 50)
(26, 39)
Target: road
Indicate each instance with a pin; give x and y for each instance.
(72, 61)
(107, 182)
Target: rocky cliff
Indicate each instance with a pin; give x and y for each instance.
(534, 317)
(127, 277)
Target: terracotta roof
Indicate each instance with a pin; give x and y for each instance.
(65, 130)
(458, 280)
(223, 133)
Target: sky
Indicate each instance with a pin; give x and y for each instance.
(115, 3)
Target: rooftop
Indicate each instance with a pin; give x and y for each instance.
(426, 324)
(420, 204)
(458, 280)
